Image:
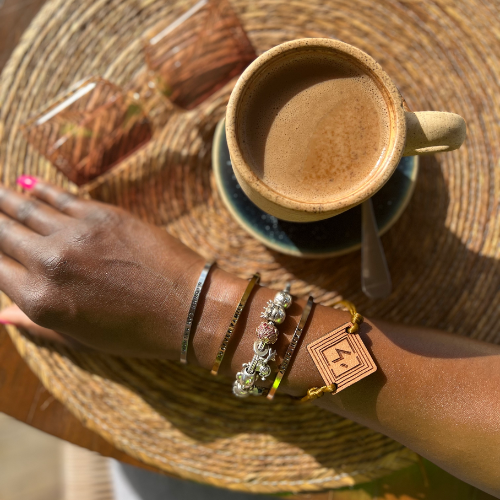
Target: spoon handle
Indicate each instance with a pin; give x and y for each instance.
(375, 276)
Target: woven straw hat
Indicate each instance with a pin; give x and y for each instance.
(443, 252)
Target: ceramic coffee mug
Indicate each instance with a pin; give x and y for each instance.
(418, 133)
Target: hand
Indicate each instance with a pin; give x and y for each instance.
(93, 272)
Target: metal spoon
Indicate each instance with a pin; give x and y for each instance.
(375, 276)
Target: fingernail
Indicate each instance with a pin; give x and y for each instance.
(27, 181)
(4, 322)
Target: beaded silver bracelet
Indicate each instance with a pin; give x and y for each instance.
(267, 334)
(192, 310)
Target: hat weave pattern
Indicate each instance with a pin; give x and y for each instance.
(443, 253)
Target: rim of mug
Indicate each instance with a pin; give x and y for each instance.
(352, 198)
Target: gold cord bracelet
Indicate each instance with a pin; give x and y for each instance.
(356, 320)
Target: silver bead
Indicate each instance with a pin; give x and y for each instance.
(260, 348)
(264, 371)
(245, 380)
(257, 391)
(239, 391)
(284, 299)
(274, 313)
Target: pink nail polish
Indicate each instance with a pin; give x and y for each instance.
(4, 322)
(27, 181)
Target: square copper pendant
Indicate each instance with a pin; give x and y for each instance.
(341, 357)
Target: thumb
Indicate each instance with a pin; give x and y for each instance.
(12, 315)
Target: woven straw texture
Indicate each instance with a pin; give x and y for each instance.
(443, 252)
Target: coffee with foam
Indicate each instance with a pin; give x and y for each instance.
(316, 127)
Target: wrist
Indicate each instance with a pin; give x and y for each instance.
(213, 316)
(170, 315)
(221, 294)
(222, 297)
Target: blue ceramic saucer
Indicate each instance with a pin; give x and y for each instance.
(325, 238)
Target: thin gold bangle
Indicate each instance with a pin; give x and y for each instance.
(291, 348)
(232, 325)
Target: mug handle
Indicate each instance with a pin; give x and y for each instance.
(429, 132)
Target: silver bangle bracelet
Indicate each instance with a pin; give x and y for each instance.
(192, 311)
(267, 334)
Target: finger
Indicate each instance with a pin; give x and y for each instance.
(12, 315)
(12, 276)
(34, 214)
(17, 241)
(56, 197)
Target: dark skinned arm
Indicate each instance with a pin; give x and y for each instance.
(89, 274)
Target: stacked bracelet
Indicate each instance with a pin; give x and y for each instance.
(192, 311)
(267, 334)
(347, 362)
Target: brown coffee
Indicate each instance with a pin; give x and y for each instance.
(316, 128)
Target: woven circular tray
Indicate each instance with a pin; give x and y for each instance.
(443, 252)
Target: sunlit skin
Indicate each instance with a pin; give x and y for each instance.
(93, 276)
